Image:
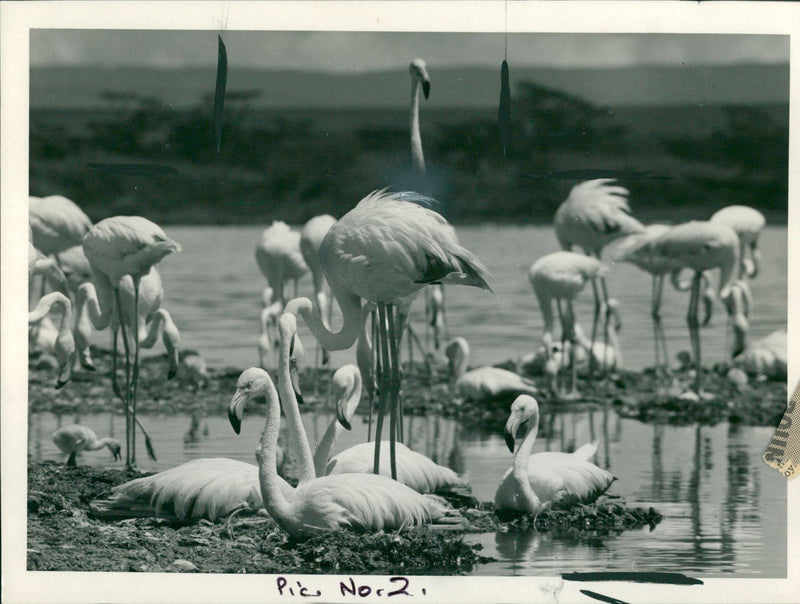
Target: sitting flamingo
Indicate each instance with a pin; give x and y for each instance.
(76, 438)
(535, 482)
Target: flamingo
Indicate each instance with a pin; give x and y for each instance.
(193, 369)
(64, 344)
(765, 357)
(56, 223)
(484, 383)
(699, 246)
(362, 502)
(279, 258)
(535, 482)
(116, 247)
(748, 223)
(384, 251)
(594, 214)
(76, 438)
(76, 267)
(413, 469)
(561, 276)
(311, 237)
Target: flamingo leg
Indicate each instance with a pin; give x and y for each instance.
(595, 322)
(135, 384)
(382, 348)
(129, 459)
(562, 362)
(606, 319)
(570, 314)
(394, 393)
(662, 357)
(694, 328)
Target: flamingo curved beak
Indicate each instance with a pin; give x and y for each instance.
(236, 409)
(426, 88)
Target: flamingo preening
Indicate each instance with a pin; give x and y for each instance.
(116, 247)
(76, 438)
(534, 482)
(483, 383)
(311, 237)
(594, 214)
(384, 251)
(56, 223)
(413, 469)
(561, 277)
(748, 223)
(279, 258)
(362, 502)
(699, 246)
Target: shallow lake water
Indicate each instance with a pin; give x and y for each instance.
(724, 509)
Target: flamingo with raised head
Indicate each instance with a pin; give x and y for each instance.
(385, 250)
(116, 247)
(483, 383)
(413, 469)
(594, 214)
(361, 502)
(76, 438)
(699, 246)
(560, 277)
(534, 482)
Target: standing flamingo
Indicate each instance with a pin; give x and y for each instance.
(594, 214)
(699, 246)
(116, 247)
(384, 251)
(76, 438)
(484, 383)
(558, 277)
(535, 482)
(279, 258)
(413, 469)
(748, 223)
(311, 237)
(64, 345)
(365, 502)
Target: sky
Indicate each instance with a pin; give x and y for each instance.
(377, 51)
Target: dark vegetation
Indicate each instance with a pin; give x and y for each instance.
(139, 156)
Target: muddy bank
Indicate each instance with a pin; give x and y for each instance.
(62, 535)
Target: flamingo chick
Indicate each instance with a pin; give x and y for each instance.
(535, 482)
(76, 438)
(484, 383)
(413, 469)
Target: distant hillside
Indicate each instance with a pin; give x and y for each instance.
(81, 87)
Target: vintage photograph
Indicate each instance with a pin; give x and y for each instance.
(403, 304)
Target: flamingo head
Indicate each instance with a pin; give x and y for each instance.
(252, 383)
(292, 348)
(346, 390)
(419, 72)
(524, 409)
(457, 352)
(115, 448)
(751, 264)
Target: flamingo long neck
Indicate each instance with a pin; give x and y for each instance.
(292, 412)
(271, 493)
(163, 324)
(94, 445)
(726, 273)
(546, 306)
(520, 467)
(417, 157)
(323, 452)
(350, 306)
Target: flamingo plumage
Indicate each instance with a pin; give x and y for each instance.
(279, 258)
(560, 277)
(127, 246)
(765, 357)
(56, 223)
(483, 383)
(384, 251)
(76, 438)
(534, 482)
(362, 502)
(413, 469)
(595, 213)
(748, 224)
(699, 246)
